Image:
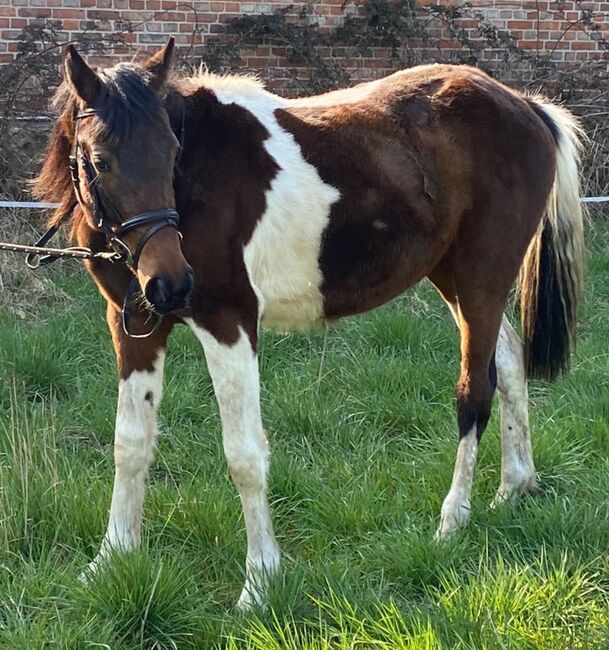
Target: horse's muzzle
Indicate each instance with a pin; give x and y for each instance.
(165, 296)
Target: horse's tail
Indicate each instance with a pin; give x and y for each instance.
(551, 279)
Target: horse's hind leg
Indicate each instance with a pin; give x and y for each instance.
(518, 474)
(517, 467)
(478, 312)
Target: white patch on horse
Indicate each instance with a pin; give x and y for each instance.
(457, 504)
(377, 224)
(282, 257)
(234, 372)
(136, 430)
(517, 466)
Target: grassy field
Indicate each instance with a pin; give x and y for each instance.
(363, 450)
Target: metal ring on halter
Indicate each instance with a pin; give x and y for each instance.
(131, 291)
(34, 260)
(123, 251)
(131, 335)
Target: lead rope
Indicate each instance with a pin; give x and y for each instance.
(39, 255)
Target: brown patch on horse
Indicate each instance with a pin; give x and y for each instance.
(220, 187)
(382, 157)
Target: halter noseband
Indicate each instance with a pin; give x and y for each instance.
(101, 204)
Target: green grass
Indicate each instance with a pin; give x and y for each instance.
(363, 450)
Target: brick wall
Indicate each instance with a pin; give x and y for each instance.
(568, 31)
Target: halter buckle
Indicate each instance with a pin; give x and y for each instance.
(122, 251)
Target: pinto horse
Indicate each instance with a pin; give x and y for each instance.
(294, 212)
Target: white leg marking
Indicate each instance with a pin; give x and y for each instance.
(517, 467)
(234, 372)
(457, 504)
(136, 430)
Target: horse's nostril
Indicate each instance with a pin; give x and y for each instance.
(187, 283)
(158, 292)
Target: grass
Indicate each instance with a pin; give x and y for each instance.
(363, 449)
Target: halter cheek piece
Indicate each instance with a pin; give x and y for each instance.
(102, 207)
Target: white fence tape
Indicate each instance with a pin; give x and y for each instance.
(36, 205)
(27, 204)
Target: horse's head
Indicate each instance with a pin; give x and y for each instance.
(123, 159)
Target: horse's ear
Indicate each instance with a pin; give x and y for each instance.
(80, 78)
(159, 65)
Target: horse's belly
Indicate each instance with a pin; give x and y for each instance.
(289, 314)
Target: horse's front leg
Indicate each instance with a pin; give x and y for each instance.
(140, 367)
(232, 363)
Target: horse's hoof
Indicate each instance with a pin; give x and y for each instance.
(454, 518)
(508, 493)
(250, 597)
(86, 575)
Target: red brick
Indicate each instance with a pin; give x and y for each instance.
(528, 45)
(583, 45)
(67, 13)
(102, 14)
(34, 12)
(173, 16)
(548, 24)
(537, 24)
(520, 24)
(207, 18)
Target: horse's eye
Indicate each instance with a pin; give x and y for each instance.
(101, 165)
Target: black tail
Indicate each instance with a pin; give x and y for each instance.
(552, 273)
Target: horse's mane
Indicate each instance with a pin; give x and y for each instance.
(126, 100)
(242, 84)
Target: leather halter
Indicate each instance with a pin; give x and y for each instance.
(101, 204)
(115, 228)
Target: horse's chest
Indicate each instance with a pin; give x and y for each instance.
(282, 257)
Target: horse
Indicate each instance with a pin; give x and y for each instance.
(296, 212)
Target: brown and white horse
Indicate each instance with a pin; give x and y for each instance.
(299, 211)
